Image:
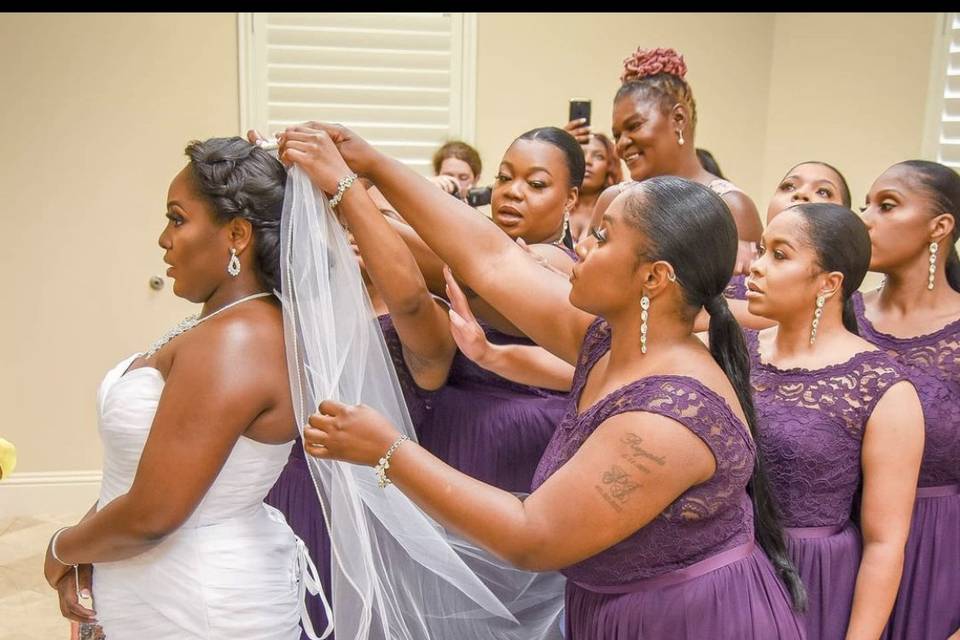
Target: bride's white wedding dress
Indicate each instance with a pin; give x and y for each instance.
(233, 570)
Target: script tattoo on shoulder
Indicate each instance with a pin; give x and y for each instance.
(616, 487)
(637, 455)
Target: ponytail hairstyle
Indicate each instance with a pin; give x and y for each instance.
(572, 154)
(242, 180)
(689, 226)
(942, 185)
(842, 243)
(658, 74)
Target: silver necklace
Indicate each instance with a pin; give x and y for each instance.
(191, 321)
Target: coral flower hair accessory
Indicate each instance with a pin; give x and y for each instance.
(647, 62)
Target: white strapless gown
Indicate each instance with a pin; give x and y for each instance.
(234, 569)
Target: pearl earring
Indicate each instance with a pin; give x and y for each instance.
(933, 265)
(233, 265)
(680, 137)
(816, 318)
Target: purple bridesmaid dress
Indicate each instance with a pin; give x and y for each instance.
(811, 425)
(694, 572)
(928, 605)
(488, 427)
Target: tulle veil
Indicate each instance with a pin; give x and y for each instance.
(396, 573)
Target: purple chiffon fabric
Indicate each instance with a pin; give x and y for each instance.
(811, 425)
(489, 427)
(740, 599)
(928, 604)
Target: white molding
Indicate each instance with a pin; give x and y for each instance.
(27, 494)
(939, 59)
(243, 70)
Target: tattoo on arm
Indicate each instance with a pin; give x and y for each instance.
(616, 486)
(637, 455)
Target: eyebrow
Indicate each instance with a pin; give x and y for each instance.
(779, 240)
(866, 198)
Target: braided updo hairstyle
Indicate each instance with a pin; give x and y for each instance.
(658, 74)
(242, 180)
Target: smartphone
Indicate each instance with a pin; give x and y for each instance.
(479, 196)
(579, 108)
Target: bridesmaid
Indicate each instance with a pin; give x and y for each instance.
(651, 407)
(810, 181)
(654, 125)
(834, 412)
(911, 212)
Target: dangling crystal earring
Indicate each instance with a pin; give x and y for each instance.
(816, 318)
(565, 230)
(933, 265)
(233, 266)
(644, 314)
(680, 137)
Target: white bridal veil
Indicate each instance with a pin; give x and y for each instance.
(396, 573)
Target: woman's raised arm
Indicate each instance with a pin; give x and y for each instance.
(480, 254)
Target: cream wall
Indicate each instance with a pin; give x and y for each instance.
(530, 65)
(97, 109)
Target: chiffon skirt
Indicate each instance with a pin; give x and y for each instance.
(492, 434)
(238, 578)
(828, 566)
(928, 604)
(743, 600)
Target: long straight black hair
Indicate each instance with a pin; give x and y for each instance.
(689, 226)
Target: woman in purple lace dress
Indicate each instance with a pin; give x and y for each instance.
(809, 181)
(911, 212)
(834, 412)
(641, 497)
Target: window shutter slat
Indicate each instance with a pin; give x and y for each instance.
(392, 77)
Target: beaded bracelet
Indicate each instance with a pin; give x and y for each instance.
(343, 184)
(384, 464)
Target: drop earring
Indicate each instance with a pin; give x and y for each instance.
(233, 265)
(644, 316)
(933, 265)
(816, 318)
(680, 137)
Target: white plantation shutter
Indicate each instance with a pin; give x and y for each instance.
(404, 81)
(948, 135)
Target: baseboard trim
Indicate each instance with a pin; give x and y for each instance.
(48, 492)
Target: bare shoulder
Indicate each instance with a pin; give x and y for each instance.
(246, 344)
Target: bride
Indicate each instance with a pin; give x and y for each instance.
(196, 430)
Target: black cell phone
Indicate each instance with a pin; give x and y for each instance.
(579, 108)
(479, 196)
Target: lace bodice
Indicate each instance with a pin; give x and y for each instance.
(811, 426)
(932, 363)
(736, 288)
(708, 518)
